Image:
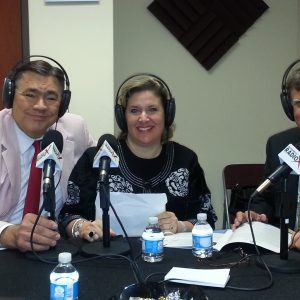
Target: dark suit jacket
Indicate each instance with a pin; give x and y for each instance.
(270, 202)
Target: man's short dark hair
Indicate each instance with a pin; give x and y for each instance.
(40, 67)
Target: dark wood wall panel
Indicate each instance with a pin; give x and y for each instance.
(207, 28)
(14, 35)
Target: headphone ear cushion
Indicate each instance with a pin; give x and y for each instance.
(170, 110)
(120, 117)
(65, 101)
(8, 92)
(287, 105)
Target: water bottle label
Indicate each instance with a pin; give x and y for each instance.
(64, 291)
(154, 247)
(202, 241)
(75, 290)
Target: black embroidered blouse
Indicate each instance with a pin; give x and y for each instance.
(175, 172)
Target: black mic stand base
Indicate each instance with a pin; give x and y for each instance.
(276, 264)
(118, 246)
(52, 254)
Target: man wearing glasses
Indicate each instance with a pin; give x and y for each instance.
(35, 99)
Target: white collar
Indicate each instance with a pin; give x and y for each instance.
(25, 142)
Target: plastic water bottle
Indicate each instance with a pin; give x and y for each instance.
(64, 279)
(202, 234)
(152, 242)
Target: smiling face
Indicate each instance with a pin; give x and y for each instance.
(36, 103)
(145, 119)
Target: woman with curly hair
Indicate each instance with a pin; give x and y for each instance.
(149, 163)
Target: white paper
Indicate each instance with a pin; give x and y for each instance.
(179, 240)
(133, 211)
(207, 277)
(266, 236)
(184, 239)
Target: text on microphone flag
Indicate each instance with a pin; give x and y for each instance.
(291, 156)
(106, 150)
(50, 152)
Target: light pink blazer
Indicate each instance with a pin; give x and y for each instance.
(76, 140)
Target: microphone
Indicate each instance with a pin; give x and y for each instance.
(50, 157)
(106, 157)
(290, 156)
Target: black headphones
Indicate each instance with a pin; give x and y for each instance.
(9, 86)
(169, 108)
(286, 100)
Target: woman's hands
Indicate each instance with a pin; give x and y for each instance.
(169, 223)
(91, 230)
(88, 230)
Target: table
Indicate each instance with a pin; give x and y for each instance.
(22, 278)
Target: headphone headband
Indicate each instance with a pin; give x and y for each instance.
(144, 74)
(285, 93)
(286, 74)
(9, 85)
(169, 108)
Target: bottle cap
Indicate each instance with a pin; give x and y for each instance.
(201, 217)
(64, 257)
(153, 220)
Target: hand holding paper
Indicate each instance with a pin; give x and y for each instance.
(133, 211)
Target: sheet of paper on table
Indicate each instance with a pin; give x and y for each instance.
(207, 277)
(184, 239)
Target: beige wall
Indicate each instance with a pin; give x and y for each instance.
(80, 37)
(226, 114)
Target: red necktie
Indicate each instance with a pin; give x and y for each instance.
(32, 200)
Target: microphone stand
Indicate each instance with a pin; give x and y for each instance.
(62, 245)
(286, 262)
(284, 223)
(117, 245)
(104, 204)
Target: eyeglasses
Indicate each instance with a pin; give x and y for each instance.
(244, 258)
(296, 102)
(49, 97)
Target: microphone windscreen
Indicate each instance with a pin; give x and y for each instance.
(110, 139)
(52, 136)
